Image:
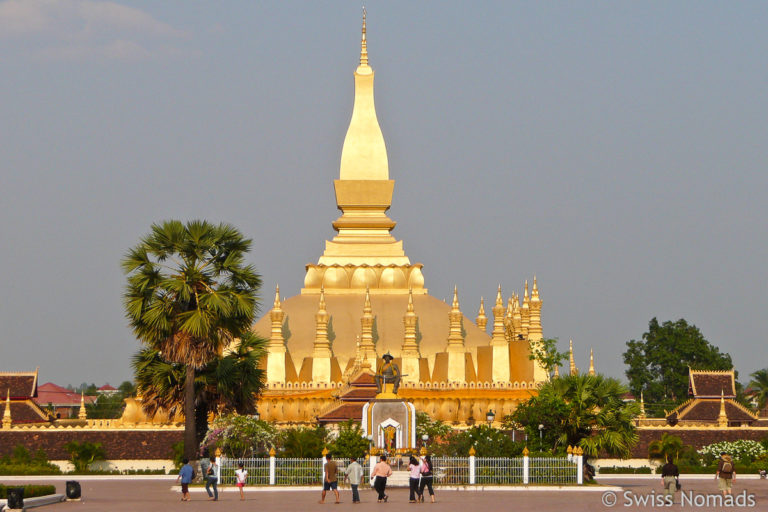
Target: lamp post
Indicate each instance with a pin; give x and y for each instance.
(424, 439)
(370, 442)
(490, 416)
(541, 432)
(256, 416)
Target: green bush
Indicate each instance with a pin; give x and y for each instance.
(83, 454)
(22, 463)
(30, 491)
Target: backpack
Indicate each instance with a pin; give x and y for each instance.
(727, 467)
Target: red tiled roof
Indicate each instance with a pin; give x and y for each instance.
(107, 387)
(355, 394)
(353, 411)
(709, 410)
(21, 385)
(705, 384)
(50, 393)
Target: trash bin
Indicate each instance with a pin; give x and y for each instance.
(73, 490)
(15, 497)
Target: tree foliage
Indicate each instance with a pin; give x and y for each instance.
(583, 410)
(81, 455)
(759, 387)
(240, 436)
(435, 429)
(189, 294)
(487, 442)
(672, 447)
(658, 363)
(350, 441)
(303, 442)
(545, 353)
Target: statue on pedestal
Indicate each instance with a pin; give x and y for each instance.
(388, 373)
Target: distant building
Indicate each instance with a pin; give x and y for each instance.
(107, 390)
(61, 402)
(19, 391)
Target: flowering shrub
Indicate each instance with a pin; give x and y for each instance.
(742, 450)
(239, 436)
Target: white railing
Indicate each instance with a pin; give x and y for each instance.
(447, 471)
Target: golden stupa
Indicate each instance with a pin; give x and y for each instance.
(364, 298)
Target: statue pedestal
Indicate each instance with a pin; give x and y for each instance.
(391, 422)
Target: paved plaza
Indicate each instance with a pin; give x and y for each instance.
(144, 495)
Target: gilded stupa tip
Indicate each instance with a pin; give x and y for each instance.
(410, 300)
(364, 43)
(276, 304)
(455, 297)
(499, 298)
(367, 304)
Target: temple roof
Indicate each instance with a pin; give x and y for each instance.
(21, 385)
(709, 409)
(711, 384)
(58, 396)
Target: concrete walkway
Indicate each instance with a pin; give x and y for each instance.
(130, 494)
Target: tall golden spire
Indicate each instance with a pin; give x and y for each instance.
(82, 415)
(500, 370)
(322, 346)
(367, 346)
(642, 406)
(363, 45)
(556, 373)
(277, 315)
(591, 362)
(722, 417)
(498, 333)
(525, 312)
(574, 370)
(7, 421)
(455, 337)
(409, 321)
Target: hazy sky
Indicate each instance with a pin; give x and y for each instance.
(617, 150)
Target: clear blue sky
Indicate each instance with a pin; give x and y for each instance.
(615, 149)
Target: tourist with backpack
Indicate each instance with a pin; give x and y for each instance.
(726, 473)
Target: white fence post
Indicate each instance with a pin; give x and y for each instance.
(371, 464)
(579, 466)
(272, 467)
(472, 479)
(526, 466)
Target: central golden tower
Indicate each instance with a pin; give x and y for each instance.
(364, 254)
(364, 298)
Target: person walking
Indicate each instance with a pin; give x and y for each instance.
(414, 473)
(726, 473)
(330, 480)
(354, 473)
(669, 476)
(379, 478)
(240, 476)
(212, 480)
(186, 475)
(426, 478)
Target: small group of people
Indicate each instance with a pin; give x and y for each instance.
(725, 475)
(212, 473)
(420, 473)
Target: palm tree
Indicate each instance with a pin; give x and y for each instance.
(759, 385)
(668, 447)
(583, 410)
(189, 295)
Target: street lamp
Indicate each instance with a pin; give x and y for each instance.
(256, 416)
(424, 438)
(541, 432)
(490, 416)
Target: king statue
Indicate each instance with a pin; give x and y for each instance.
(389, 372)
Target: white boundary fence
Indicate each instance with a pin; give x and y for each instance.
(449, 471)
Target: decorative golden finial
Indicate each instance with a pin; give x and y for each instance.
(642, 405)
(481, 320)
(82, 415)
(472, 451)
(573, 368)
(455, 297)
(364, 43)
(569, 451)
(410, 300)
(7, 414)
(410, 347)
(367, 304)
(525, 452)
(272, 451)
(535, 290)
(277, 304)
(525, 294)
(455, 336)
(423, 451)
(591, 362)
(325, 451)
(722, 418)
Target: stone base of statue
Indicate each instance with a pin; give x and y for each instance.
(391, 422)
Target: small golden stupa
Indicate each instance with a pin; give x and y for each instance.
(364, 298)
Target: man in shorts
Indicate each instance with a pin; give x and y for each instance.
(330, 480)
(725, 473)
(186, 474)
